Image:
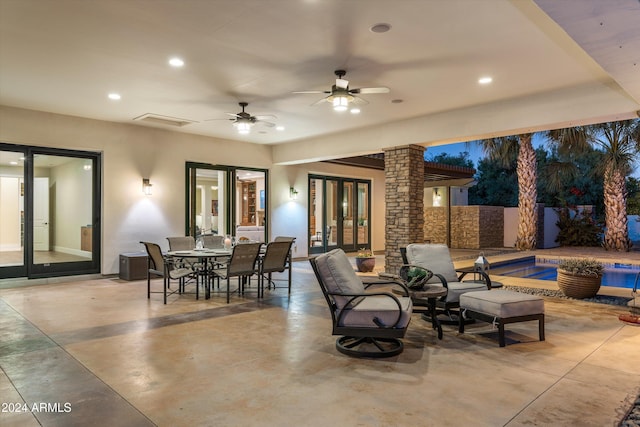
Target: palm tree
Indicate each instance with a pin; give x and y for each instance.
(620, 144)
(506, 149)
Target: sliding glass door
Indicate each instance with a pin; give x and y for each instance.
(12, 215)
(50, 212)
(339, 212)
(208, 192)
(226, 200)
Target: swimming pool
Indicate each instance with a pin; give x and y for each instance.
(615, 274)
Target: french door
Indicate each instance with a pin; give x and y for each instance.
(49, 212)
(220, 199)
(339, 214)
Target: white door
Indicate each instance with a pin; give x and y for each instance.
(40, 214)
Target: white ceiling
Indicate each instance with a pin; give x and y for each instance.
(568, 62)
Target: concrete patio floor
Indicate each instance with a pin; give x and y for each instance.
(117, 358)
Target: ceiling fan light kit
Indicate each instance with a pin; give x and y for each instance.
(340, 102)
(243, 126)
(243, 121)
(340, 96)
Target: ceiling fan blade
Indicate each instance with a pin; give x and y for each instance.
(370, 90)
(342, 83)
(359, 101)
(320, 101)
(312, 91)
(268, 124)
(232, 114)
(265, 116)
(211, 120)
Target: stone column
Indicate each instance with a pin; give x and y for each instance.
(404, 193)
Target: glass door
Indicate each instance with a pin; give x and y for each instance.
(208, 201)
(332, 213)
(12, 215)
(324, 215)
(339, 212)
(224, 200)
(64, 214)
(362, 201)
(317, 227)
(348, 224)
(50, 212)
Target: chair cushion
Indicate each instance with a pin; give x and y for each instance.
(434, 257)
(502, 303)
(456, 289)
(339, 275)
(382, 307)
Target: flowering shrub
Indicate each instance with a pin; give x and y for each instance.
(577, 228)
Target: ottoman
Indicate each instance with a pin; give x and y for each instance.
(501, 307)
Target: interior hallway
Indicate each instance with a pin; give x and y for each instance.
(118, 359)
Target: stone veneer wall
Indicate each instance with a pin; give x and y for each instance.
(435, 224)
(404, 204)
(491, 227)
(472, 227)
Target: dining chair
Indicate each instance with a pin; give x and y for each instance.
(213, 241)
(242, 264)
(182, 243)
(158, 265)
(277, 258)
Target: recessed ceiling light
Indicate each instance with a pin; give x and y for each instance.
(355, 111)
(380, 28)
(280, 128)
(114, 96)
(176, 62)
(485, 80)
(13, 163)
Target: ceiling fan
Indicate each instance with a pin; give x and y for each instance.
(243, 121)
(340, 96)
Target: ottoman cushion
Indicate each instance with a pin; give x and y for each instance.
(502, 303)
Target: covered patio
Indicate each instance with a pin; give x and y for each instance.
(117, 358)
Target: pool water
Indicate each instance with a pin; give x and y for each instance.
(618, 275)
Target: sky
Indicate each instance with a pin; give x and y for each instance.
(475, 152)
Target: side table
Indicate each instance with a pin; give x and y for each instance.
(426, 297)
(133, 266)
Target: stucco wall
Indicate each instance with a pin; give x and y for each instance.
(132, 152)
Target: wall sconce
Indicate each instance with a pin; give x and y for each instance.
(146, 186)
(437, 197)
(293, 193)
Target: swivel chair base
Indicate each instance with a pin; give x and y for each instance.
(369, 347)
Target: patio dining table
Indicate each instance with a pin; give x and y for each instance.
(205, 257)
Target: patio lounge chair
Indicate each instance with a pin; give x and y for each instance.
(371, 323)
(437, 259)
